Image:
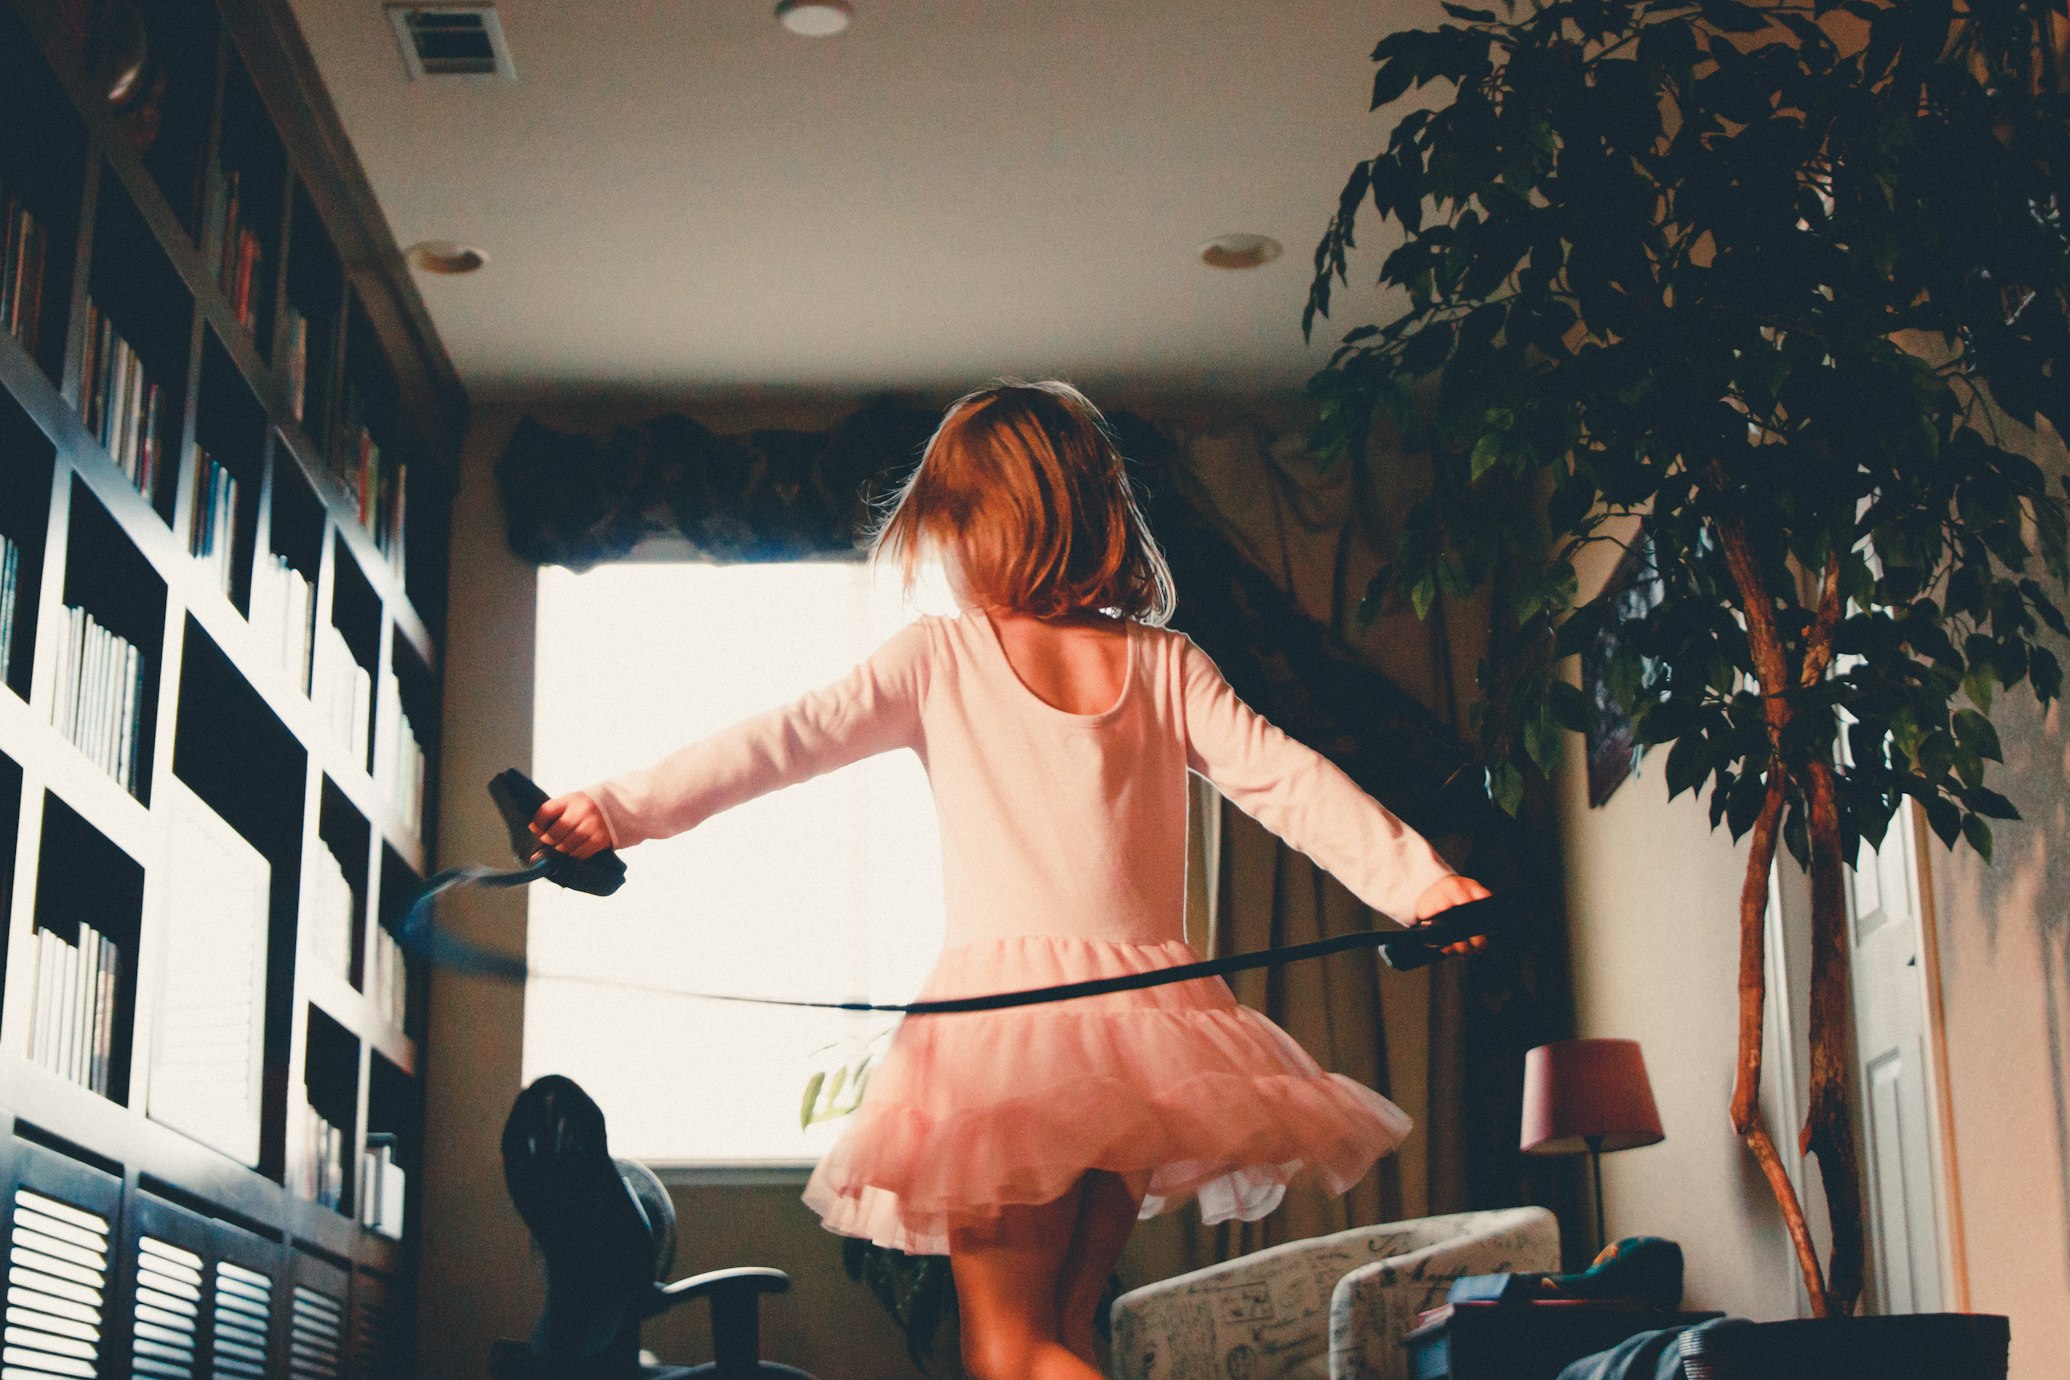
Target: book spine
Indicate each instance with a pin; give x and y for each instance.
(89, 1003)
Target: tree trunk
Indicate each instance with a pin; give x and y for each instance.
(1746, 1084)
(1828, 1132)
(1828, 1129)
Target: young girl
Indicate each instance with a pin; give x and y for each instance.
(1057, 719)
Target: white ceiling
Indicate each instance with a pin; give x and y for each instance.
(683, 198)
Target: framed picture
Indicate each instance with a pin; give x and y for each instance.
(1633, 589)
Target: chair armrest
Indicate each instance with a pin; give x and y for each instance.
(743, 1282)
(1373, 1307)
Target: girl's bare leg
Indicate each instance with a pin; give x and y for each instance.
(1006, 1290)
(1106, 1216)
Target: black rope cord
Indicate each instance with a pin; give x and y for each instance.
(1494, 916)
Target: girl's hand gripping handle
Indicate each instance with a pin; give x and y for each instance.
(1442, 895)
(571, 824)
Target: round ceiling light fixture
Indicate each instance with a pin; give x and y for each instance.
(815, 18)
(1239, 251)
(446, 257)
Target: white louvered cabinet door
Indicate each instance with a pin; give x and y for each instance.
(60, 1223)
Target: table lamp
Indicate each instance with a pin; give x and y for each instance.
(1588, 1095)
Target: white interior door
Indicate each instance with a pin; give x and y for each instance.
(1894, 1089)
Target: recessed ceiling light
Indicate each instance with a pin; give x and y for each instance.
(1239, 251)
(815, 18)
(445, 256)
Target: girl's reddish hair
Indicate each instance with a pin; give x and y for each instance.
(1024, 483)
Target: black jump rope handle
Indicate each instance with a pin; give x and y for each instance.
(519, 800)
(600, 874)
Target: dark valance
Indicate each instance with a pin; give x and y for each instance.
(789, 495)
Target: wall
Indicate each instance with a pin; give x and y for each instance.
(2003, 933)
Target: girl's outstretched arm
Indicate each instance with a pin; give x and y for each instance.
(874, 708)
(1306, 799)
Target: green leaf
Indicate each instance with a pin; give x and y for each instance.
(1944, 819)
(1423, 594)
(1470, 15)
(1505, 787)
(1974, 731)
(1977, 683)
(1487, 453)
(2046, 673)
(1978, 833)
(812, 1087)
(1989, 802)
(1689, 762)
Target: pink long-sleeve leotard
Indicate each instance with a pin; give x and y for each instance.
(1063, 841)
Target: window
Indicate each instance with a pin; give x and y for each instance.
(828, 890)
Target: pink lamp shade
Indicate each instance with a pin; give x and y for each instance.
(1588, 1095)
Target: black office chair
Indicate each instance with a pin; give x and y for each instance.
(607, 1230)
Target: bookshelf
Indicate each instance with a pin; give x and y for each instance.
(227, 441)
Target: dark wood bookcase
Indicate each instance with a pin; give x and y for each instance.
(199, 220)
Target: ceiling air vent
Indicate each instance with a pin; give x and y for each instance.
(451, 41)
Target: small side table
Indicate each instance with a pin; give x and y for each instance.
(1526, 1341)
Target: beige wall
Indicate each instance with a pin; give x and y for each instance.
(2003, 933)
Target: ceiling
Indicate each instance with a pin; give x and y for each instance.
(685, 199)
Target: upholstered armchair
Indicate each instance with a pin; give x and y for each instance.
(1332, 1306)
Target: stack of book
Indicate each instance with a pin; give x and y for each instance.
(237, 271)
(284, 614)
(344, 692)
(212, 533)
(388, 984)
(404, 769)
(295, 332)
(100, 695)
(122, 405)
(319, 1174)
(23, 247)
(72, 1026)
(336, 912)
(10, 585)
(376, 490)
(382, 1186)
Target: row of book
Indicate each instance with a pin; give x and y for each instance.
(122, 402)
(283, 614)
(213, 531)
(382, 1186)
(10, 589)
(377, 489)
(343, 692)
(237, 269)
(318, 1173)
(334, 914)
(100, 696)
(388, 978)
(72, 1027)
(23, 249)
(404, 769)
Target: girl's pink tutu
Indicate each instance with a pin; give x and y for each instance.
(1179, 1086)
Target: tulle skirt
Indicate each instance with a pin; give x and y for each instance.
(1178, 1088)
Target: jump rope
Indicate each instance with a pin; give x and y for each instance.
(601, 874)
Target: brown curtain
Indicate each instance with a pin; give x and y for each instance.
(1321, 536)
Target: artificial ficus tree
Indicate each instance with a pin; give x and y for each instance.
(1769, 277)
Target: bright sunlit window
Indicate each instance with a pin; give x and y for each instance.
(828, 890)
